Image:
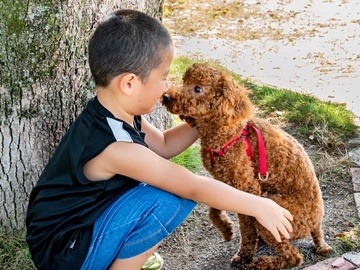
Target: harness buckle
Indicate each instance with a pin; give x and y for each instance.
(263, 177)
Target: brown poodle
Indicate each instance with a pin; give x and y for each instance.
(252, 155)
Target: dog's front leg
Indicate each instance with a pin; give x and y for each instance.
(249, 240)
(222, 222)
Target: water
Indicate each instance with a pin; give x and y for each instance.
(325, 64)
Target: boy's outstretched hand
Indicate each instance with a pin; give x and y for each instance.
(275, 219)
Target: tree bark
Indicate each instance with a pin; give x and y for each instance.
(45, 82)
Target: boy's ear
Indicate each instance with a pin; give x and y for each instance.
(127, 83)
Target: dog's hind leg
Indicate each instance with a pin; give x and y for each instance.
(249, 241)
(222, 222)
(321, 246)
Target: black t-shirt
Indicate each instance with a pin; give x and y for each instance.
(64, 204)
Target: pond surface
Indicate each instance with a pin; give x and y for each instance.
(311, 47)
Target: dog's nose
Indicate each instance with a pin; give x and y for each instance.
(166, 98)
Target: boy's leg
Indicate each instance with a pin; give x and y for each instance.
(133, 263)
(135, 224)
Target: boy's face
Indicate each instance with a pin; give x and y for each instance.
(156, 83)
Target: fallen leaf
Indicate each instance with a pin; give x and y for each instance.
(340, 235)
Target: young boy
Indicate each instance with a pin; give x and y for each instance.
(109, 195)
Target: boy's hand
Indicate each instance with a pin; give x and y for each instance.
(275, 218)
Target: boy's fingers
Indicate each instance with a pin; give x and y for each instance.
(288, 215)
(287, 225)
(284, 231)
(276, 234)
(286, 222)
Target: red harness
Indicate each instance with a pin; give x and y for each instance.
(263, 174)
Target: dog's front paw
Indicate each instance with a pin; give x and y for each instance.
(262, 263)
(242, 257)
(324, 249)
(275, 262)
(237, 261)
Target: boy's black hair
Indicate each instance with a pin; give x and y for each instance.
(127, 41)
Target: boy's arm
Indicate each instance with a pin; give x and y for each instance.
(139, 162)
(171, 142)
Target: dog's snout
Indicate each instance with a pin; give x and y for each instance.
(166, 98)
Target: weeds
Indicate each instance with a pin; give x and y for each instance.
(348, 244)
(14, 253)
(350, 241)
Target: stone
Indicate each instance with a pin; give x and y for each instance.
(327, 265)
(355, 172)
(353, 257)
(354, 155)
(355, 141)
(357, 201)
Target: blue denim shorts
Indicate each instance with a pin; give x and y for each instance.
(141, 218)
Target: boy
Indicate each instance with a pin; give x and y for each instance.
(108, 195)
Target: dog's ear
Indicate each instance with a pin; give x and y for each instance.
(235, 104)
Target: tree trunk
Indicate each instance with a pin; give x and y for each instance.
(45, 82)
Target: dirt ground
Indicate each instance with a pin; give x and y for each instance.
(196, 244)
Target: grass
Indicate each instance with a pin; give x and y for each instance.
(190, 159)
(329, 123)
(178, 67)
(14, 254)
(349, 242)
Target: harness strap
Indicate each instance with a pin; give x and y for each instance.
(222, 150)
(263, 173)
(244, 134)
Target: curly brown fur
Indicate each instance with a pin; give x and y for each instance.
(213, 102)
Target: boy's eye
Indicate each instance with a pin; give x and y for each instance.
(197, 89)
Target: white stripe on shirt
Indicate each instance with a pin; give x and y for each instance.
(120, 134)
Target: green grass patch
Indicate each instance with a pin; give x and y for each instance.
(178, 68)
(329, 123)
(190, 159)
(180, 64)
(14, 253)
(348, 244)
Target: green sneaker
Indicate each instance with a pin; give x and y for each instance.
(155, 262)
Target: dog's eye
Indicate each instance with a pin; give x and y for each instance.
(197, 89)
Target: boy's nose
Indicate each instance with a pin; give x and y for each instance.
(166, 98)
